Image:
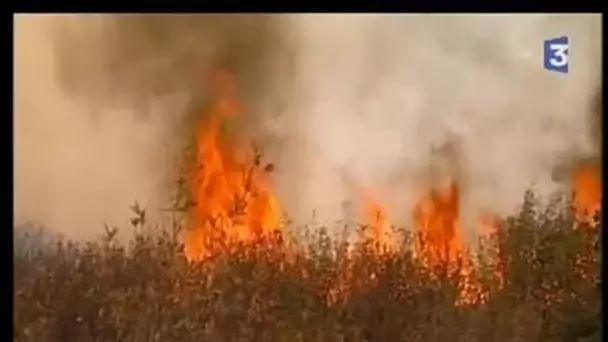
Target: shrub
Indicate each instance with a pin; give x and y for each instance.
(546, 290)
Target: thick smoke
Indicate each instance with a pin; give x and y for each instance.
(75, 170)
(104, 105)
(401, 103)
(393, 104)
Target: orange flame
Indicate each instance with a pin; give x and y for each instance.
(233, 204)
(439, 243)
(587, 191)
(378, 234)
(232, 201)
(437, 229)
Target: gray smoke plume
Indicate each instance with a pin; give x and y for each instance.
(394, 104)
(386, 94)
(105, 103)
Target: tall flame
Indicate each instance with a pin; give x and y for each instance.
(233, 204)
(438, 239)
(378, 233)
(231, 197)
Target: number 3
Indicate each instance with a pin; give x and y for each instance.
(559, 51)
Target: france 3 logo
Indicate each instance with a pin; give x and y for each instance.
(555, 54)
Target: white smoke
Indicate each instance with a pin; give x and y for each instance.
(77, 167)
(350, 101)
(381, 92)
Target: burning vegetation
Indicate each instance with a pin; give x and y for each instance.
(239, 275)
(232, 200)
(234, 205)
(230, 267)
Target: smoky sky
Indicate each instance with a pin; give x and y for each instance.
(395, 103)
(137, 58)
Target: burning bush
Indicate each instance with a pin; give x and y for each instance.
(235, 272)
(148, 290)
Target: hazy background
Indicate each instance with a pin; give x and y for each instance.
(392, 104)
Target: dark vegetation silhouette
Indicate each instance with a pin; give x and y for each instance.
(146, 290)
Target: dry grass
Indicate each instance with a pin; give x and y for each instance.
(147, 291)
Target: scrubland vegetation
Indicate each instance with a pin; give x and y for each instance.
(539, 274)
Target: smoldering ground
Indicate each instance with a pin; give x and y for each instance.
(102, 102)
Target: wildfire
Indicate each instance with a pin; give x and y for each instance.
(230, 191)
(587, 191)
(377, 232)
(233, 204)
(438, 240)
(439, 244)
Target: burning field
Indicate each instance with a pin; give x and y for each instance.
(444, 262)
